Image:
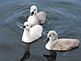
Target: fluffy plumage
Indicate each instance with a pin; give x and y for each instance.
(62, 44)
(36, 17)
(30, 33)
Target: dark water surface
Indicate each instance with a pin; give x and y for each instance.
(63, 16)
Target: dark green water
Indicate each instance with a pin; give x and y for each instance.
(63, 16)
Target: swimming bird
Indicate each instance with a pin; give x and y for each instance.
(31, 33)
(62, 44)
(36, 17)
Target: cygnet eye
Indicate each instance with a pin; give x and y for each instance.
(53, 34)
(31, 26)
(26, 25)
(49, 35)
(34, 9)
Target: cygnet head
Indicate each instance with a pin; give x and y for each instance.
(52, 35)
(27, 26)
(33, 10)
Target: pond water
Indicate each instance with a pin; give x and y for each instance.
(63, 16)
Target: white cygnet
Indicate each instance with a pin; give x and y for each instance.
(62, 44)
(30, 33)
(32, 19)
(36, 18)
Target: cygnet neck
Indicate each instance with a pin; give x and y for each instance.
(53, 39)
(27, 31)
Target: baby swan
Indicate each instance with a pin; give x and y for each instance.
(30, 33)
(32, 19)
(62, 44)
(36, 18)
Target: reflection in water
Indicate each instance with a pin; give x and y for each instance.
(52, 56)
(26, 54)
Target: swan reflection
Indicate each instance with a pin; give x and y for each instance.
(52, 56)
(26, 54)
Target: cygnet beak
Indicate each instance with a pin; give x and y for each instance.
(24, 27)
(32, 13)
